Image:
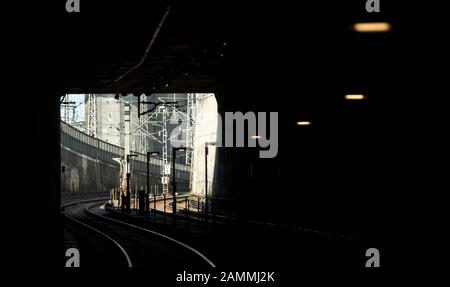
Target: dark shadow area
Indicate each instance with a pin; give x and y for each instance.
(375, 169)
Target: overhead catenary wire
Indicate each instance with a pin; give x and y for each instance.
(149, 46)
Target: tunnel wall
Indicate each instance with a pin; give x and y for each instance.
(318, 178)
(205, 131)
(87, 166)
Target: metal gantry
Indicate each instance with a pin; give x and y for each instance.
(158, 116)
(144, 127)
(166, 165)
(190, 128)
(91, 115)
(68, 113)
(65, 105)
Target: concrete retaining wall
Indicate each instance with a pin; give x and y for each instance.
(87, 165)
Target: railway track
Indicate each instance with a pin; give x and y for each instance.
(124, 243)
(104, 249)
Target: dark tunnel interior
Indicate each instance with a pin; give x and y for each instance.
(369, 169)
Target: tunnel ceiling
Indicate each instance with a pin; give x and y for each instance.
(108, 39)
(265, 47)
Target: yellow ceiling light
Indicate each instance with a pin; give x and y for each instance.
(372, 27)
(353, 97)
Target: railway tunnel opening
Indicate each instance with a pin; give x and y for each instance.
(98, 131)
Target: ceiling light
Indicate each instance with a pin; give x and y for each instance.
(372, 27)
(303, 123)
(355, 97)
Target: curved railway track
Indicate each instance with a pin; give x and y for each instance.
(133, 245)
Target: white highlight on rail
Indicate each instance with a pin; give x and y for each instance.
(107, 236)
(157, 234)
(96, 230)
